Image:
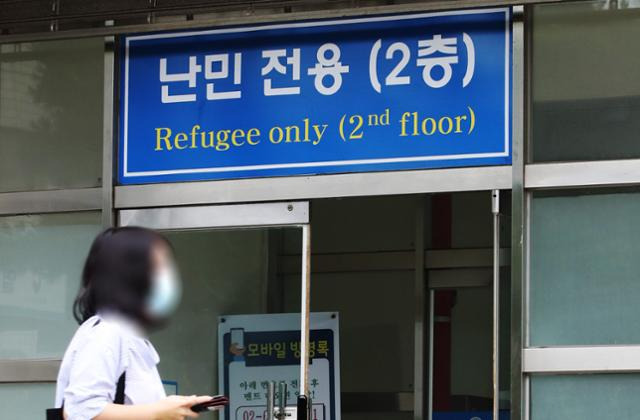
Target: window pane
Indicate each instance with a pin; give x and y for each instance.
(586, 81)
(42, 257)
(27, 400)
(585, 262)
(227, 273)
(51, 114)
(585, 397)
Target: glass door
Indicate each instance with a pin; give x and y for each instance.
(238, 328)
(469, 336)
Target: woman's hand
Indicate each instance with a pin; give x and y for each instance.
(177, 407)
(171, 408)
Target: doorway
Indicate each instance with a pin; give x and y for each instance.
(215, 343)
(410, 279)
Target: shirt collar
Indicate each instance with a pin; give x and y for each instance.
(132, 328)
(124, 322)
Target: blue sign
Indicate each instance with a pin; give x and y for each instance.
(351, 95)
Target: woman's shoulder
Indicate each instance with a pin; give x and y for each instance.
(102, 332)
(100, 338)
(113, 335)
(96, 340)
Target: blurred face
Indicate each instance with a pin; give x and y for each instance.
(161, 257)
(166, 288)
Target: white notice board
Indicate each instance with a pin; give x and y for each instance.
(256, 349)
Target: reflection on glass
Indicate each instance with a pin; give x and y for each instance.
(572, 397)
(26, 400)
(230, 283)
(584, 286)
(375, 307)
(586, 81)
(463, 350)
(51, 96)
(42, 258)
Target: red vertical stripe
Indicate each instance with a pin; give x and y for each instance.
(444, 301)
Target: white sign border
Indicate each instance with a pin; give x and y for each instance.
(504, 153)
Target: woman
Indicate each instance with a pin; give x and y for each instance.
(129, 287)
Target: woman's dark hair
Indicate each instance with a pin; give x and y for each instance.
(117, 273)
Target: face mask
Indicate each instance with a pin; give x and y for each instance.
(166, 290)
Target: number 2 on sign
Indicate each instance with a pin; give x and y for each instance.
(355, 122)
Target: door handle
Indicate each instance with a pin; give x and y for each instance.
(270, 400)
(301, 411)
(304, 408)
(282, 389)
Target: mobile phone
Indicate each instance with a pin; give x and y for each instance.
(213, 404)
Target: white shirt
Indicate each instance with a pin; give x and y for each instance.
(103, 347)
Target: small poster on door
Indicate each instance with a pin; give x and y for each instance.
(257, 349)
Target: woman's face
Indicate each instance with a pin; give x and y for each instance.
(166, 288)
(161, 257)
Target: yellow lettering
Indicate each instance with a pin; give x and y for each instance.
(220, 140)
(319, 133)
(459, 118)
(276, 140)
(253, 132)
(424, 126)
(292, 129)
(194, 130)
(180, 137)
(222, 137)
(211, 143)
(237, 133)
(440, 124)
(165, 138)
(403, 124)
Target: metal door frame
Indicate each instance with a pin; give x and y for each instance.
(240, 216)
